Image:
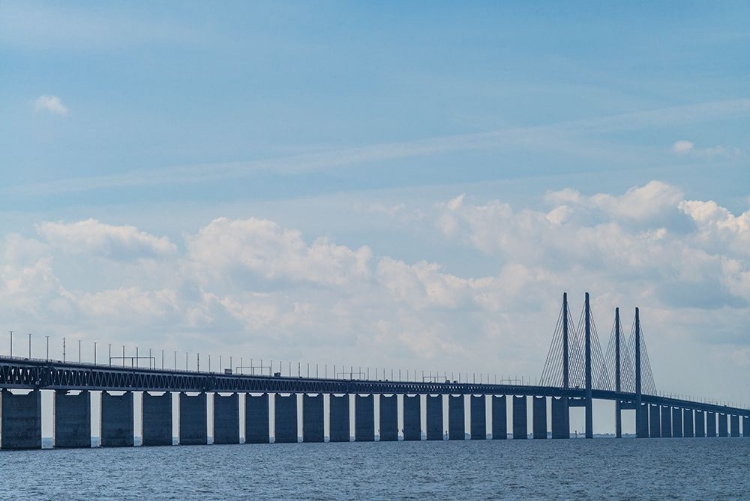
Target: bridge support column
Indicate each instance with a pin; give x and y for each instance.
(642, 428)
(666, 421)
(435, 417)
(285, 419)
(117, 420)
(677, 422)
(735, 421)
(687, 428)
(478, 417)
(499, 417)
(313, 426)
(456, 428)
(227, 419)
(22, 420)
(559, 422)
(72, 420)
(618, 419)
(723, 432)
(710, 424)
(520, 426)
(654, 421)
(193, 419)
(746, 426)
(364, 418)
(157, 419)
(256, 419)
(412, 418)
(700, 424)
(340, 430)
(539, 408)
(388, 418)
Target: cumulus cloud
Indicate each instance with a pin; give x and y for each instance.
(272, 252)
(50, 104)
(93, 237)
(254, 287)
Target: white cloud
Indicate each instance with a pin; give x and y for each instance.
(92, 237)
(272, 252)
(682, 147)
(50, 104)
(685, 148)
(253, 287)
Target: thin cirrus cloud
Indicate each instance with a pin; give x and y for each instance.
(556, 136)
(50, 104)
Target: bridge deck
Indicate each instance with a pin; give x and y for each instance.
(19, 373)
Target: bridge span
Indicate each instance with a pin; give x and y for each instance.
(261, 409)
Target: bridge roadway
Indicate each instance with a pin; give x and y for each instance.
(21, 373)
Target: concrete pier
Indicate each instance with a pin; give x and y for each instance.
(456, 429)
(340, 431)
(388, 418)
(412, 418)
(478, 418)
(735, 428)
(677, 423)
(227, 419)
(539, 415)
(700, 424)
(256, 419)
(117, 420)
(157, 419)
(666, 421)
(435, 417)
(72, 420)
(22, 420)
(364, 422)
(193, 419)
(286, 419)
(654, 421)
(711, 424)
(723, 431)
(499, 417)
(520, 426)
(559, 423)
(313, 427)
(642, 427)
(746, 426)
(688, 427)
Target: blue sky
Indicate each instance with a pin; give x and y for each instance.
(128, 131)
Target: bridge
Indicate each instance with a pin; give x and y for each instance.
(271, 408)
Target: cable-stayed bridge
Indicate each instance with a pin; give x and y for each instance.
(235, 408)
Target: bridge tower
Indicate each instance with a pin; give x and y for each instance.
(566, 366)
(589, 398)
(640, 414)
(618, 386)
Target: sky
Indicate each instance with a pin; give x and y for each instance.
(378, 185)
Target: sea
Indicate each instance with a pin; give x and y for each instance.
(700, 469)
